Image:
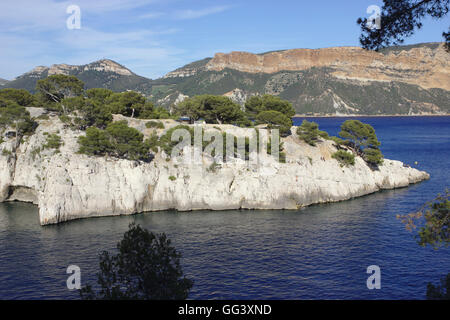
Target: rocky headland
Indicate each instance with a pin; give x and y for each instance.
(66, 185)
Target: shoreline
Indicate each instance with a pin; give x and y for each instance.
(369, 116)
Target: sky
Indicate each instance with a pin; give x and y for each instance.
(153, 37)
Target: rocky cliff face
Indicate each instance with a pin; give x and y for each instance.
(330, 81)
(66, 185)
(423, 66)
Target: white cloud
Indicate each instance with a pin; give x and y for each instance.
(35, 33)
(194, 14)
(21, 15)
(151, 15)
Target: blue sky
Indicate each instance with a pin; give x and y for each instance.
(153, 37)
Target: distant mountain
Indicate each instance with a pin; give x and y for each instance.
(412, 79)
(3, 81)
(99, 74)
(336, 81)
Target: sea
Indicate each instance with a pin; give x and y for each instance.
(319, 252)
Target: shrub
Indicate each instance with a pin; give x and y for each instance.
(214, 109)
(362, 139)
(256, 104)
(15, 116)
(337, 140)
(20, 96)
(43, 117)
(308, 132)
(53, 142)
(155, 124)
(275, 119)
(172, 178)
(117, 140)
(166, 143)
(146, 267)
(344, 158)
(281, 154)
(373, 156)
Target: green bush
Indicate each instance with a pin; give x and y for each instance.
(172, 178)
(15, 116)
(276, 120)
(53, 142)
(166, 143)
(362, 139)
(214, 109)
(373, 156)
(117, 140)
(155, 124)
(344, 158)
(20, 96)
(310, 133)
(337, 140)
(257, 104)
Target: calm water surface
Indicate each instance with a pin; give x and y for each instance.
(320, 252)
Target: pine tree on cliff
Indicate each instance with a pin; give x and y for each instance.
(398, 20)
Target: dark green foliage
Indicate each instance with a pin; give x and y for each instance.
(344, 158)
(146, 267)
(155, 124)
(52, 90)
(20, 96)
(281, 154)
(436, 231)
(96, 142)
(310, 133)
(86, 112)
(214, 109)
(267, 102)
(440, 291)
(15, 116)
(157, 113)
(435, 219)
(53, 142)
(359, 134)
(337, 141)
(276, 120)
(117, 140)
(362, 139)
(399, 20)
(373, 157)
(99, 95)
(253, 106)
(166, 143)
(129, 104)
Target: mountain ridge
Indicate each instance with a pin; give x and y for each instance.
(412, 79)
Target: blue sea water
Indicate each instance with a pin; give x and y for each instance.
(320, 252)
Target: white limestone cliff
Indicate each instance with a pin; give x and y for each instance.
(66, 185)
